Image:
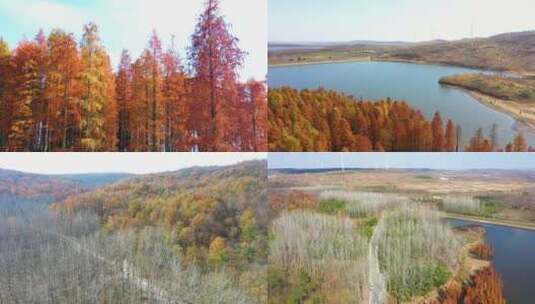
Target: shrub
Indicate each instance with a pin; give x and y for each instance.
(362, 204)
(461, 204)
(331, 206)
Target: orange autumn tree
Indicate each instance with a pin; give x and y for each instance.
(214, 57)
(98, 94)
(26, 92)
(63, 92)
(123, 95)
(176, 137)
(250, 125)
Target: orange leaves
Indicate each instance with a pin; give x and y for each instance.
(482, 251)
(62, 96)
(320, 120)
(486, 287)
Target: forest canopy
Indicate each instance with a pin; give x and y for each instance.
(57, 94)
(326, 120)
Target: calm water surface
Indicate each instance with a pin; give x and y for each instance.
(415, 83)
(514, 259)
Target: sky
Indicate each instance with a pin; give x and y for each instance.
(396, 20)
(439, 161)
(138, 163)
(129, 24)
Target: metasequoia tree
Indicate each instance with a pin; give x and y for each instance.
(98, 94)
(5, 70)
(175, 112)
(123, 95)
(214, 57)
(27, 91)
(63, 93)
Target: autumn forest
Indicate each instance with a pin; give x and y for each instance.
(57, 94)
(327, 120)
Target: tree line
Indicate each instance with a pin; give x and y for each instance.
(325, 120)
(58, 95)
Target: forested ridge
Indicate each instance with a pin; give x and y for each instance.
(200, 207)
(326, 120)
(196, 235)
(60, 95)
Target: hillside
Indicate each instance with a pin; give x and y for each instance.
(238, 184)
(197, 206)
(55, 187)
(509, 52)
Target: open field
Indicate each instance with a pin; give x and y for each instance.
(510, 193)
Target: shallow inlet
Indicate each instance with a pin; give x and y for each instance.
(514, 251)
(415, 83)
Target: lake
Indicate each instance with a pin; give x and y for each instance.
(415, 83)
(514, 259)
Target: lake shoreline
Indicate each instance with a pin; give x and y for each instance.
(393, 59)
(290, 64)
(497, 222)
(525, 121)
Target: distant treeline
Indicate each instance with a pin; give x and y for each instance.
(323, 120)
(58, 95)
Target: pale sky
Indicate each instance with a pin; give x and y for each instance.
(129, 24)
(442, 161)
(396, 20)
(70, 163)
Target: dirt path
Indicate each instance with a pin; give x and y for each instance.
(376, 280)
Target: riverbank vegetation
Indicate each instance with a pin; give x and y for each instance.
(469, 205)
(60, 95)
(323, 120)
(501, 87)
(418, 251)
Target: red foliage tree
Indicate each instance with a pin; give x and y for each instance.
(214, 56)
